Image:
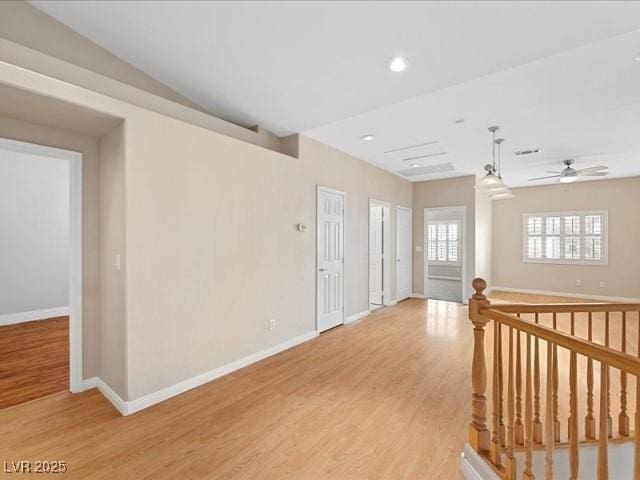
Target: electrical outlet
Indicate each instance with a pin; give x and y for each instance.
(272, 324)
(578, 283)
(602, 284)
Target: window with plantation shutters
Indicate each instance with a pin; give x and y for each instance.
(565, 238)
(443, 242)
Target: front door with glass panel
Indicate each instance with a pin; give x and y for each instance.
(443, 254)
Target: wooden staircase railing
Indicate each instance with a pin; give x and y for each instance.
(527, 330)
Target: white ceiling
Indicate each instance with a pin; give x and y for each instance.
(292, 66)
(544, 71)
(582, 104)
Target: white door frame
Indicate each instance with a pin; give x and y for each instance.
(75, 248)
(320, 188)
(463, 241)
(386, 248)
(410, 210)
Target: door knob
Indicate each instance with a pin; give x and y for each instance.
(322, 269)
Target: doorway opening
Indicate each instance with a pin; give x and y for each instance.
(444, 247)
(379, 257)
(41, 303)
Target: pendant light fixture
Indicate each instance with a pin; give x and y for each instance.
(491, 180)
(492, 183)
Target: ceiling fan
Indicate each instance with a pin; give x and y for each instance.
(570, 174)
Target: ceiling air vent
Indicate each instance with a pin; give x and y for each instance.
(417, 151)
(428, 170)
(530, 151)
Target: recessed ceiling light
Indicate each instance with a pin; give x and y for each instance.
(415, 165)
(638, 57)
(398, 64)
(368, 137)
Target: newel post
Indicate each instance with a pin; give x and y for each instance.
(479, 437)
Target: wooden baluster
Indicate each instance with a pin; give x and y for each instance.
(528, 415)
(606, 344)
(603, 430)
(496, 444)
(623, 418)
(537, 424)
(574, 441)
(590, 421)
(479, 438)
(548, 418)
(556, 419)
(519, 428)
(501, 389)
(510, 466)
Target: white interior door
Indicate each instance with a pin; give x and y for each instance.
(376, 249)
(403, 253)
(330, 281)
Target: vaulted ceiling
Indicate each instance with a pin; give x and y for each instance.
(560, 76)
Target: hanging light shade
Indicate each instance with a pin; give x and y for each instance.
(492, 183)
(491, 179)
(507, 194)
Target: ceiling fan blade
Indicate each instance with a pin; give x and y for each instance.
(551, 171)
(544, 178)
(593, 169)
(593, 174)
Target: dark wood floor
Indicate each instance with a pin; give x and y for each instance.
(34, 360)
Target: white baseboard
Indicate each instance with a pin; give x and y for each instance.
(107, 392)
(356, 316)
(391, 303)
(133, 406)
(600, 298)
(45, 313)
(418, 295)
(474, 467)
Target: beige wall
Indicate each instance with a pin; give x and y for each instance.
(212, 252)
(484, 237)
(212, 248)
(112, 288)
(451, 192)
(620, 197)
(88, 146)
(332, 168)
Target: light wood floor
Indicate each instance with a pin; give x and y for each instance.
(386, 397)
(34, 360)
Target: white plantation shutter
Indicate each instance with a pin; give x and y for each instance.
(443, 242)
(565, 237)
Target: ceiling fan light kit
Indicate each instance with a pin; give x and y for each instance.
(569, 174)
(492, 183)
(568, 179)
